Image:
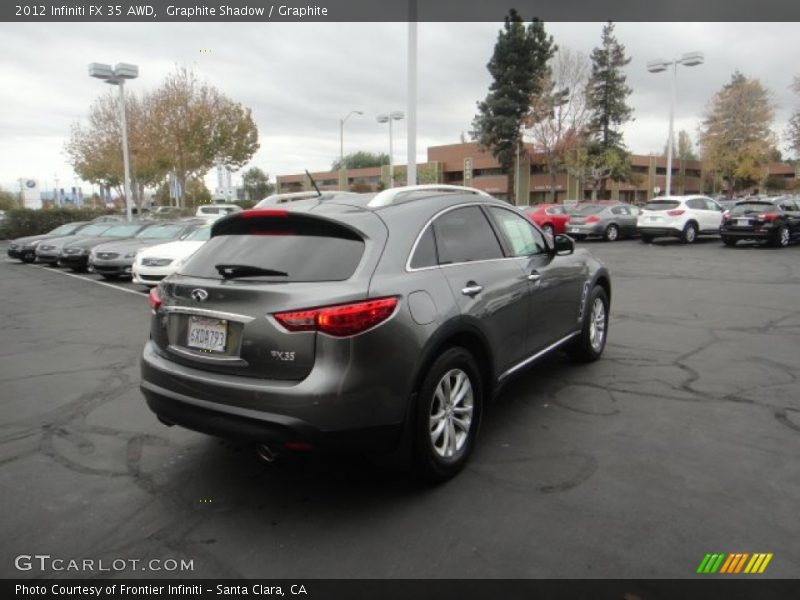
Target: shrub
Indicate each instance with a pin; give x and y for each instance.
(20, 222)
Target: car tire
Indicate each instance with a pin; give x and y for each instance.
(441, 447)
(611, 234)
(548, 229)
(646, 239)
(591, 342)
(782, 237)
(689, 233)
(729, 242)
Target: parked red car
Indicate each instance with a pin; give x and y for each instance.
(552, 218)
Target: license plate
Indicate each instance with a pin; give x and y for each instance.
(574, 230)
(207, 334)
(653, 219)
(741, 222)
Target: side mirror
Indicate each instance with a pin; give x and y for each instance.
(563, 245)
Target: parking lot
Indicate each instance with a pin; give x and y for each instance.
(682, 440)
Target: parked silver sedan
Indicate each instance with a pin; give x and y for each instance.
(604, 220)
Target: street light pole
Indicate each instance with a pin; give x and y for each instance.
(117, 76)
(125, 157)
(392, 116)
(690, 59)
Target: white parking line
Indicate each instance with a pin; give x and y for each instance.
(109, 285)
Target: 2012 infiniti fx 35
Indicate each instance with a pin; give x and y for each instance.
(372, 322)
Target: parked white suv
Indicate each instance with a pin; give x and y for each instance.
(211, 212)
(684, 217)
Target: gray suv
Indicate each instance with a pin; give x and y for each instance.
(378, 323)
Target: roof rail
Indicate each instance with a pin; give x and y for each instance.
(388, 197)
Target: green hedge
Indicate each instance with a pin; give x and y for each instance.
(24, 221)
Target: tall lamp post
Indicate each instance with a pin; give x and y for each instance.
(341, 135)
(395, 115)
(690, 59)
(117, 76)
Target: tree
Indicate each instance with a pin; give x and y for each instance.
(200, 126)
(558, 114)
(683, 148)
(518, 68)
(361, 160)
(256, 184)
(606, 96)
(793, 130)
(736, 139)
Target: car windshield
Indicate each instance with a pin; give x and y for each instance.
(202, 234)
(753, 208)
(662, 205)
(586, 209)
(65, 229)
(96, 229)
(122, 231)
(161, 232)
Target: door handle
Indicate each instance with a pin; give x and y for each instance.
(535, 277)
(472, 289)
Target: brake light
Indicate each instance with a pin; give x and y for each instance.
(263, 212)
(341, 320)
(592, 219)
(676, 213)
(154, 299)
(769, 216)
(726, 215)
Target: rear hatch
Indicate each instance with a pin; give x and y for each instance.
(660, 212)
(217, 311)
(750, 215)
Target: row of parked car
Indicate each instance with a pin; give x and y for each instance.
(774, 220)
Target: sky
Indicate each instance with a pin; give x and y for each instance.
(299, 79)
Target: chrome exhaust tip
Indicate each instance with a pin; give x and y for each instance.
(266, 453)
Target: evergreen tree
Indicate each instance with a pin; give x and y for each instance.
(518, 66)
(606, 96)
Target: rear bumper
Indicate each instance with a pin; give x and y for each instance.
(659, 231)
(748, 234)
(584, 231)
(317, 410)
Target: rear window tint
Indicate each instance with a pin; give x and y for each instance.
(662, 205)
(748, 208)
(306, 249)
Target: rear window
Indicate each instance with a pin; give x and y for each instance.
(305, 249)
(586, 209)
(662, 205)
(751, 208)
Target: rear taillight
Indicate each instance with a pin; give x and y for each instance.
(341, 320)
(154, 298)
(592, 219)
(769, 216)
(726, 215)
(676, 213)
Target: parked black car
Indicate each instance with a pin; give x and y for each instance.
(75, 254)
(24, 248)
(373, 323)
(772, 220)
(50, 249)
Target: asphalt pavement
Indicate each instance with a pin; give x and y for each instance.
(682, 440)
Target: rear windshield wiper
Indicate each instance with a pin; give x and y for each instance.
(231, 271)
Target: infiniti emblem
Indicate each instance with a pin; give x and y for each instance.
(199, 294)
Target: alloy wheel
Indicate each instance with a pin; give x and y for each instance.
(597, 325)
(451, 413)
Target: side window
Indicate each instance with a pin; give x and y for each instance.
(555, 210)
(620, 210)
(425, 253)
(523, 238)
(711, 205)
(788, 205)
(634, 210)
(696, 204)
(464, 235)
